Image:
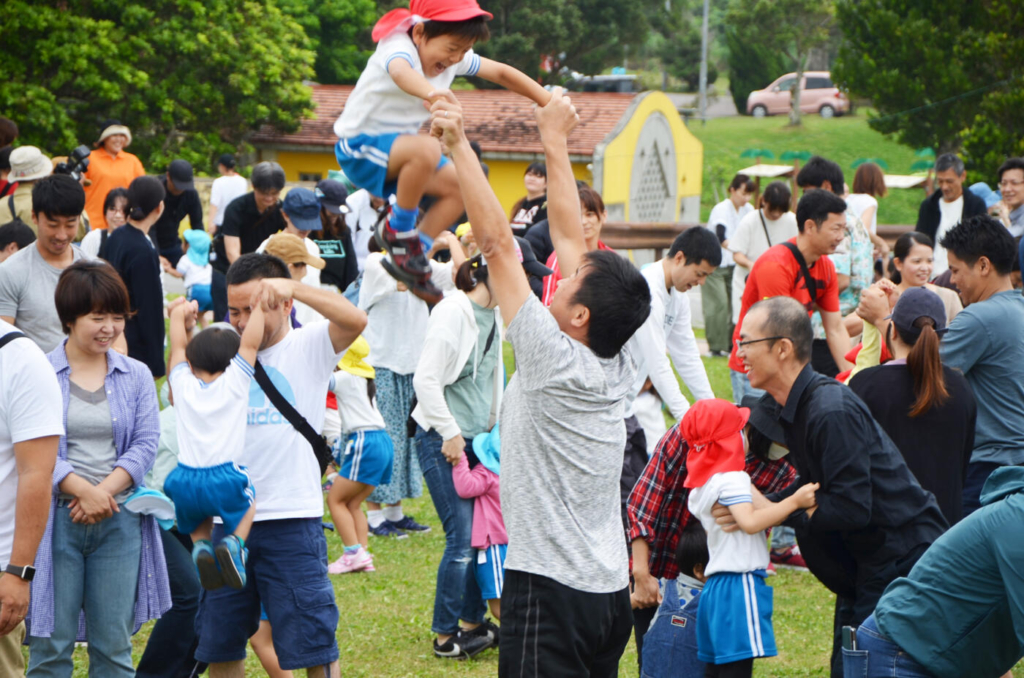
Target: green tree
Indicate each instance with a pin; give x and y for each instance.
(339, 34)
(582, 35)
(751, 65)
(192, 79)
(941, 76)
(791, 28)
(679, 48)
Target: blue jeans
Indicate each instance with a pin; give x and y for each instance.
(95, 568)
(741, 387)
(457, 595)
(878, 657)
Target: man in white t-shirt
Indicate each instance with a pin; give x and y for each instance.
(947, 207)
(716, 294)
(31, 423)
(771, 224)
(287, 567)
(228, 186)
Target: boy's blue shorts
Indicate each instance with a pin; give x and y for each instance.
(201, 493)
(201, 293)
(364, 160)
(734, 620)
(490, 570)
(367, 457)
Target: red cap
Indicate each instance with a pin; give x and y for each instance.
(431, 10)
(712, 429)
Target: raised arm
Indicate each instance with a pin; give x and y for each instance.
(490, 226)
(347, 321)
(182, 321)
(253, 334)
(513, 79)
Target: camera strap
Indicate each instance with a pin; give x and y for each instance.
(10, 206)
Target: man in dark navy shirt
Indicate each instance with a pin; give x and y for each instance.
(872, 520)
(181, 200)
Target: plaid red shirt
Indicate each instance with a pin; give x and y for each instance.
(657, 505)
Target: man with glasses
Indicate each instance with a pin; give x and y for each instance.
(872, 520)
(800, 269)
(1010, 210)
(254, 217)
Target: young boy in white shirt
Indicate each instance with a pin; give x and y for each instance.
(420, 51)
(734, 620)
(210, 376)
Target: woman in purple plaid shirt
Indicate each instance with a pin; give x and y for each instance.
(100, 568)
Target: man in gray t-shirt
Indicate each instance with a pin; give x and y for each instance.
(28, 278)
(565, 606)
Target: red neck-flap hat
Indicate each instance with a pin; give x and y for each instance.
(712, 429)
(426, 10)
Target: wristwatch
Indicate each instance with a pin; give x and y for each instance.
(27, 572)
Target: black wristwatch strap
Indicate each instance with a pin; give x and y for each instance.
(27, 572)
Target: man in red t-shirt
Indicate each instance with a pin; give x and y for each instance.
(821, 220)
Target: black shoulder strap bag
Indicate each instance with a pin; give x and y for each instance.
(811, 285)
(8, 338)
(767, 237)
(315, 440)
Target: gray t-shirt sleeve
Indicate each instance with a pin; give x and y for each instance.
(541, 349)
(12, 280)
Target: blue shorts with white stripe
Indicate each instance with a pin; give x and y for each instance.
(367, 457)
(734, 621)
(364, 160)
(490, 570)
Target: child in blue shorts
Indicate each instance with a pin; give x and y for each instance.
(209, 377)
(420, 51)
(196, 270)
(734, 622)
(482, 484)
(365, 454)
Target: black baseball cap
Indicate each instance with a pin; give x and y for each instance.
(530, 262)
(762, 417)
(915, 303)
(180, 172)
(227, 160)
(332, 195)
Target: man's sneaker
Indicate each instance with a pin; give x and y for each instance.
(206, 564)
(462, 645)
(487, 629)
(406, 261)
(231, 557)
(351, 562)
(789, 559)
(407, 524)
(387, 529)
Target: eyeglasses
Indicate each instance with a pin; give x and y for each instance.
(1007, 183)
(740, 345)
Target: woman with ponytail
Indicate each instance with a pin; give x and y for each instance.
(927, 409)
(134, 256)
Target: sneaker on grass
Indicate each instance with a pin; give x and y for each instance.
(407, 524)
(387, 529)
(487, 629)
(462, 645)
(358, 561)
(789, 559)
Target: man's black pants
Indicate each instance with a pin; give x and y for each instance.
(549, 629)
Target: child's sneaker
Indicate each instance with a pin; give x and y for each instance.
(351, 562)
(387, 529)
(203, 556)
(406, 261)
(231, 557)
(407, 524)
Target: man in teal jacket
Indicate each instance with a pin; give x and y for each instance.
(960, 612)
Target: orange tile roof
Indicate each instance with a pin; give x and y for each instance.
(501, 121)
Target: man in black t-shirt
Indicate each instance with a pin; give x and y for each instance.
(181, 200)
(254, 217)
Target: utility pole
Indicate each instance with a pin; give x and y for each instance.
(704, 67)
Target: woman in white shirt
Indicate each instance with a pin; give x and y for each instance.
(868, 186)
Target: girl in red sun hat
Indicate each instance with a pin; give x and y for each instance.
(420, 51)
(734, 620)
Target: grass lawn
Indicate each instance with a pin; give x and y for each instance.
(843, 139)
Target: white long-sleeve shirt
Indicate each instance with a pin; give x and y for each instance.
(668, 333)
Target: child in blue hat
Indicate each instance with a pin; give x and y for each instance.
(196, 271)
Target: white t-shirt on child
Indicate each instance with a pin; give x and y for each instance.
(194, 273)
(378, 106)
(355, 410)
(730, 551)
(211, 417)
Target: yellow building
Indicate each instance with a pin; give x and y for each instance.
(634, 149)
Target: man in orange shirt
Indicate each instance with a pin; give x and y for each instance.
(820, 217)
(110, 167)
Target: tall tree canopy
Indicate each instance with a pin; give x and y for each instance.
(339, 34)
(191, 79)
(942, 75)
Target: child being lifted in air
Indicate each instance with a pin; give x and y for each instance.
(420, 51)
